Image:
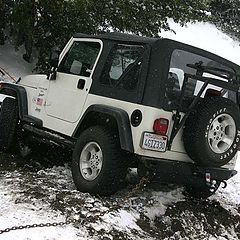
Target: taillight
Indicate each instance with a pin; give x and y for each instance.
(160, 126)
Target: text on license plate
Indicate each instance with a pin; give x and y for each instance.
(154, 142)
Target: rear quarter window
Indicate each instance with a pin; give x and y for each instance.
(180, 60)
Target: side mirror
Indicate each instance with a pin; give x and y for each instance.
(54, 59)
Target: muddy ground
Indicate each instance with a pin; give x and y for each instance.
(163, 211)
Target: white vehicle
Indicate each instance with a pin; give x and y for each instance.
(119, 100)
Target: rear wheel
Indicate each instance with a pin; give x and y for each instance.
(211, 135)
(8, 123)
(99, 166)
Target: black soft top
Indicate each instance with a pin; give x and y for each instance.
(122, 37)
(154, 72)
(156, 42)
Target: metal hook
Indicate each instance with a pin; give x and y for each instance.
(224, 184)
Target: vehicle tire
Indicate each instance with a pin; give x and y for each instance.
(8, 123)
(201, 192)
(211, 134)
(99, 166)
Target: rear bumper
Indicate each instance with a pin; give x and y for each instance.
(169, 171)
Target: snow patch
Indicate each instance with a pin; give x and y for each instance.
(120, 220)
(207, 37)
(15, 214)
(229, 197)
(12, 62)
(161, 201)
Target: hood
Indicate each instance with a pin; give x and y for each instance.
(31, 81)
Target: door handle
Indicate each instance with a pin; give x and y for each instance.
(81, 84)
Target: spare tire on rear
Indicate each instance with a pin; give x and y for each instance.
(211, 135)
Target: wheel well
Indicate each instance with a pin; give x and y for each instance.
(113, 118)
(97, 118)
(20, 95)
(9, 92)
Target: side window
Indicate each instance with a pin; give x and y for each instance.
(80, 58)
(123, 67)
(179, 66)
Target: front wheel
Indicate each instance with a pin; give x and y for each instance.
(99, 166)
(8, 123)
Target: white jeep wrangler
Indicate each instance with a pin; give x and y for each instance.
(116, 99)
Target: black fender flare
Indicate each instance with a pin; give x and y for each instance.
(21, 96)
(123, 123)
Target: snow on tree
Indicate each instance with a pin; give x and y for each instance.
(226, 15)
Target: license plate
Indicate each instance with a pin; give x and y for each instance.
(154, 142)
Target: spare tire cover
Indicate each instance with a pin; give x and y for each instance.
(211, 134)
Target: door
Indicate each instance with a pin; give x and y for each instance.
(67, 94)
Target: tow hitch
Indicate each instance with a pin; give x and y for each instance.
(212, 183)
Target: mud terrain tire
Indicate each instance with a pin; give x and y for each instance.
(211, 135)
(98, 166)
(8, 123)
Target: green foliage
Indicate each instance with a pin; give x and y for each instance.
(23, 24)
(48, 23)
(146, 17)
(5, 11)
(2, 22)
(226, 15)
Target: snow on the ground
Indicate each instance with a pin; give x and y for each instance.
(14, 212)
(230, 197)
(146, 215)
(39, 197)
(12, 62)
